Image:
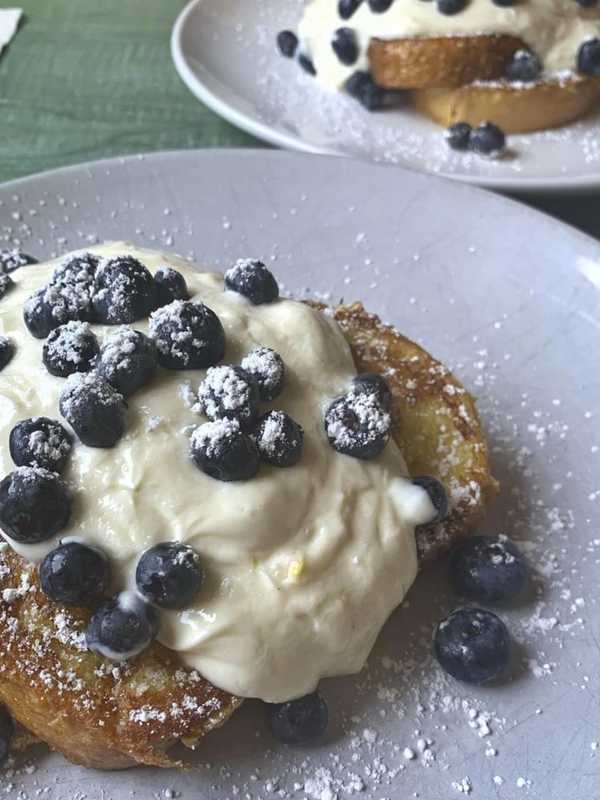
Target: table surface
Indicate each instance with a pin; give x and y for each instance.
(86, 79)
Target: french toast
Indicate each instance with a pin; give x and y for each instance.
(111, 716)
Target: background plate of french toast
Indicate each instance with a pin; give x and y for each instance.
(399, 95)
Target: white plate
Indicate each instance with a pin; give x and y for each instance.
(225, 52)
(510, 299)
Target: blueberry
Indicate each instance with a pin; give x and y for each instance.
(487, 140)
(37, 314)
(361, 86)
(373, 383)
(345, 46)
(223, 451)
(35, 504)
(123, 291)
(458, 136)
(307, 64)
(128, 360)
(122, 627)
(379, 6)
(472, 645)
(266, 368)
(75, 574)
(7, 729)
(169, 285)
(95, 410)
(347, 8)
(70, 348)
(450, 7)
(40, 442)
(287, 42)
(298, 721)
(437, 495)
(524, 67)
(6, 284)
(504, 3)
(169, 575)
(357, 425)
(187, 335)
(253, 280)
(229, 393)
(279, 439)
(489, 569)
(588, 58)
(587, 3)
(7, 351)
(10, 260)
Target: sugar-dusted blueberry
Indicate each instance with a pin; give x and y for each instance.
(7, 730)
(279, 439)
(169, 575)
(450, 7)
(222, 450)
(7, 351)
(357, 425)
(122, 628)
(75, 574)
(524, 67)
(287, 42)
(487, 140)
(458, 136)
(35, 504)
(123, 291)
(187, 335)
(10, 260)
(40, 442)
(253, 280)
(437, 494)
(588, 57)
(266, 367)
(128, 360)
(38, 316)
(347, 8)
(70, 348)
(489, 569)
(94, 409)
(300, 721)
(472, 645)
(345, 46)
(6, 284)
(169, 285)
(363, 88)
(229, 393)
(373, 383)
(379, 6)
(307, 64)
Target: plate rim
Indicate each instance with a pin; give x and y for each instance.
(263, 131)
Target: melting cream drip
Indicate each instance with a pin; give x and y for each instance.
(553, 29)
(303, 566)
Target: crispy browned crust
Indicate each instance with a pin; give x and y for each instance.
(515, 110)
(440, 62)
(113, 716)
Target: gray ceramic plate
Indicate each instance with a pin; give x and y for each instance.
(510, 299)
(225, 52)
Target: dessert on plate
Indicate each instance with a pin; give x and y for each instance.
(208, 493)
(523, 65)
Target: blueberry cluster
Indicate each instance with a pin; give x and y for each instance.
(473, 644)
(485, 140)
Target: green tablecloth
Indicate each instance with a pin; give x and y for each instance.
(86, 79)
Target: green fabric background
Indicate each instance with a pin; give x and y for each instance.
(87, 79)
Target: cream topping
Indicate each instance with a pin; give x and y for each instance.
(303, 565)
(553, 29)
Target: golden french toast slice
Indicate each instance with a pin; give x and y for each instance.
(112, 716)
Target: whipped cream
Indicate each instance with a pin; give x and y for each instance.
(303, 565)
(553, 29)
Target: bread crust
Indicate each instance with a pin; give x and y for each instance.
(109, 716)
(440, 61)
(515, 109)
